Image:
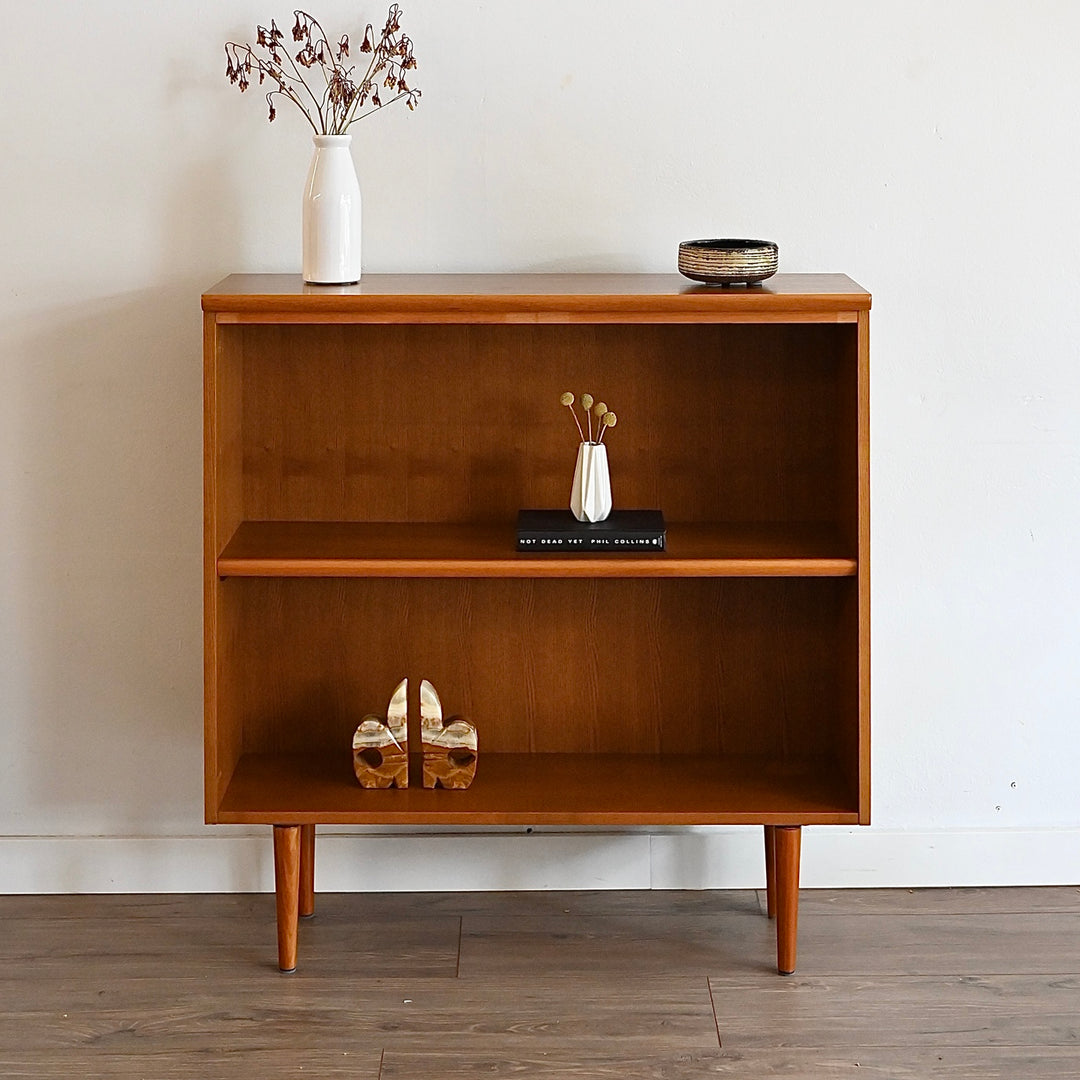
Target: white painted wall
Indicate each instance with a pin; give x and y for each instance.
(930, 149)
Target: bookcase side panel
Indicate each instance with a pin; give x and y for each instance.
(222, 512)
(863, 650)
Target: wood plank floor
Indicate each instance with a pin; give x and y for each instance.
(957, 983)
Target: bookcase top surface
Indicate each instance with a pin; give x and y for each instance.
(557, 296)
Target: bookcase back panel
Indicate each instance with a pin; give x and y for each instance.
(713, 666)
(462, 423)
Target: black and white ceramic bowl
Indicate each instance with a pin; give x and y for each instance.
(728, 262)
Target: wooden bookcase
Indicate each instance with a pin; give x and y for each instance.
(367, 449)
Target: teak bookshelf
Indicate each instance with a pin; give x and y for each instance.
(367, 449)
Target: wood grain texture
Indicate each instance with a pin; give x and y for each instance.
(1000, 900)
(187, 945)
(546, 789)
(550, 985)
(617, 947)
(599, 1060)
(518, 298)
(388, 549)
(664, 1014)
(368, 446)
(1044, 943)
(912, 1011)
(717, 424)
(222, 513)
(770, 871)
(853, 511)
(206, 1063)
(307, 871)
(862, 719)
(361, 488)
(350, 1012)
(287, 888)
(341, 908)
(787, 843)
(350, 1015)
(717, 666)
(604, 1061)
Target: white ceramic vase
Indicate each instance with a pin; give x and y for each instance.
(332, 214)
(590, 497)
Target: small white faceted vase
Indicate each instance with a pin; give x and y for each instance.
(332, 214)
(590, 497)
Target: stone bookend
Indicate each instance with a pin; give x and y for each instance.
(381, 747)
(449, 748)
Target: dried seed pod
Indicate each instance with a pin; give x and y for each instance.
(599, 410)
(567, 399)
(586, 404)
(606, 421)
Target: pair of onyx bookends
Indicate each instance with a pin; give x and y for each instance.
(381, 746)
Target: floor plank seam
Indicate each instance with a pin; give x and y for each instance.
(839, 1046)
(940, 914)
(1017, 973)
(460, 933)
(716, 1019)
(822, 973)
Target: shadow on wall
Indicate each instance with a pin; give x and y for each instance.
(103, 710)
(106, 584)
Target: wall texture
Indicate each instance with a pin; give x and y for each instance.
(928, 149)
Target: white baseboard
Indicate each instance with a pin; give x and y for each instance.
(842, 858)
(721, 858)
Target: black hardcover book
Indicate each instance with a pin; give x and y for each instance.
(559, 531)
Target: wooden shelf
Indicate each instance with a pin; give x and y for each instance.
(365, 549)
(548, 789)
(446, 299)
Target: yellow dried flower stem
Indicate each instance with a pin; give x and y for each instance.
(586, 404)
(598, 411)
(567, 399)
(608, 420)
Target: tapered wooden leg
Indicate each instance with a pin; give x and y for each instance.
(770, 870)
(287, 887)
(307, 871)
(788, 841)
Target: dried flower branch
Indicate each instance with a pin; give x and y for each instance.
(605, 418)
(339, 99)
